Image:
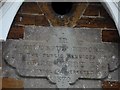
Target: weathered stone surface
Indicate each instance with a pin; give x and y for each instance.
(63, 55)
(38, 83)
(45, 33)
(64, 34)
(85, 84)
(68, 19)
(114, 76)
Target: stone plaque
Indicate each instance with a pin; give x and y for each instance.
(46, 33)
(61, 56)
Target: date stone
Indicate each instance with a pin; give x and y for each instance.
(61, 54)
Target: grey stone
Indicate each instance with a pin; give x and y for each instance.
(87, 84)
(38, 83)
(60, 63)
(114, 76)
(46, 33)
(62, 55)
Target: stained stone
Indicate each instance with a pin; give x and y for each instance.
(63, 55)
(114, 76)
(87, 84)
(38, 83)
(45, 33)
(40, 59)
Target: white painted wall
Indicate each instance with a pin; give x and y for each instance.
(7, 14)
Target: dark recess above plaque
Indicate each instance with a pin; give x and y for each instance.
(62, 8)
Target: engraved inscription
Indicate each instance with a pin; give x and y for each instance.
(85, 61)
(61, 57)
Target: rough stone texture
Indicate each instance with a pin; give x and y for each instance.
(80, 84)
(54, 53)
(31, 10)
(65, 20)
(44, 33)
(88, 84)
(38, 83)
(114, 76)
(35, 58)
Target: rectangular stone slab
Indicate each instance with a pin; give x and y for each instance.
(61, 54)
(40, 33)
(66, 35)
